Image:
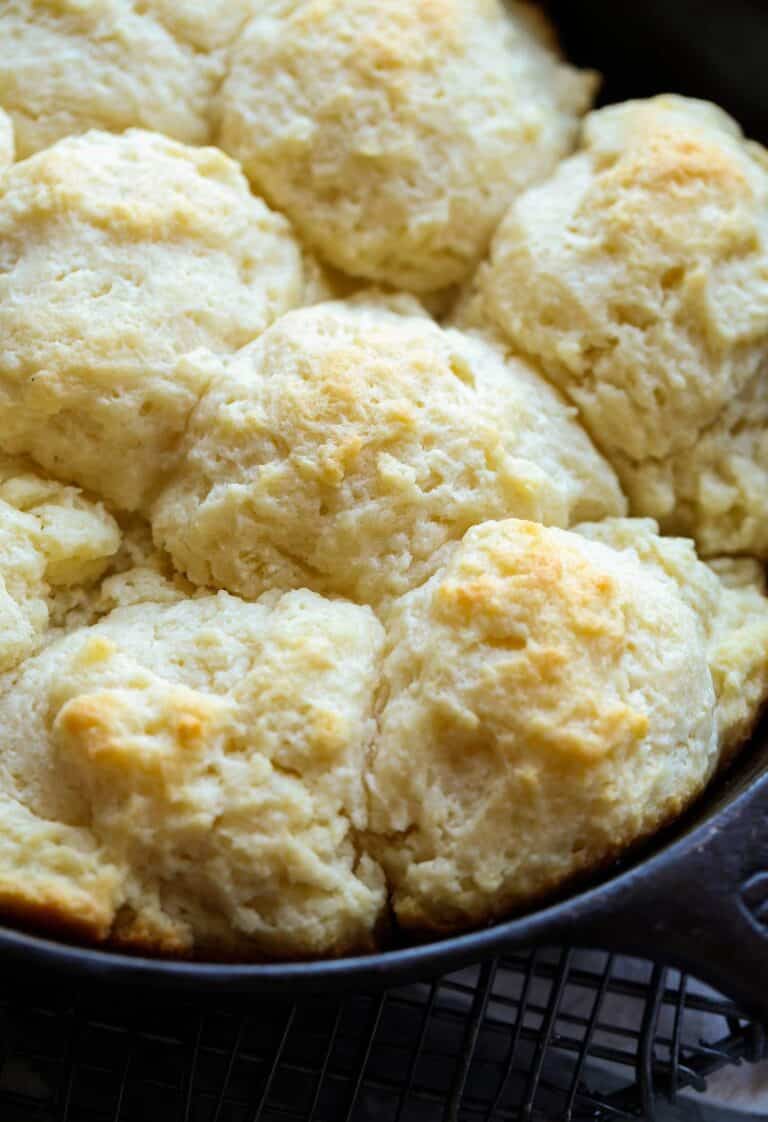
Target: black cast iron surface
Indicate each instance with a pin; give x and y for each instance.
(698, 897)
(87, 1037)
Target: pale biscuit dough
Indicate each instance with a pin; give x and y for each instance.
(393, 135)
(638, 277)
(547, 701)
(349, 446)
(138, 573)
(197, 771)
(53, 875)
(126, 264)
(67, 66)
(51, 538)
(728, 596)
(716, 491)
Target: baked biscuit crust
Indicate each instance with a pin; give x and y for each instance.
(202, 762)
(638, 277)
(548, 701)
(67, 67)
(128, 264)
(350, 431)
(393, 135)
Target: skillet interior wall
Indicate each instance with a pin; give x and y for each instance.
(702, 48)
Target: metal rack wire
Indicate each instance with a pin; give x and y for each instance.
(546, 1036)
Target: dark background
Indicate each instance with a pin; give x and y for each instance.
(715, 50)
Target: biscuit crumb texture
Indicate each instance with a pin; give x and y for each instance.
(716, 491)
(548, 701)
(728, 597)
(638, 277)
(128, 264)
(52, 538)
(194, 774)
(69, 66)
(137, 573)
(350, 445)
(394, 135)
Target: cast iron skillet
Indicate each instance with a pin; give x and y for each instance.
(698, 896)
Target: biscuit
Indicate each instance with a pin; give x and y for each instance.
(547, 701)
(637, 276)
(349, 446)
(126, 264)
(394, 135)
(51, 538)
(68, 66)
(729, 599)
(209, 756)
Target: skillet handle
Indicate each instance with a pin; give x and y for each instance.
(705, 910)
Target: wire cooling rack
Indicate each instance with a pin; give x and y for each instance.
(547, 1036)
